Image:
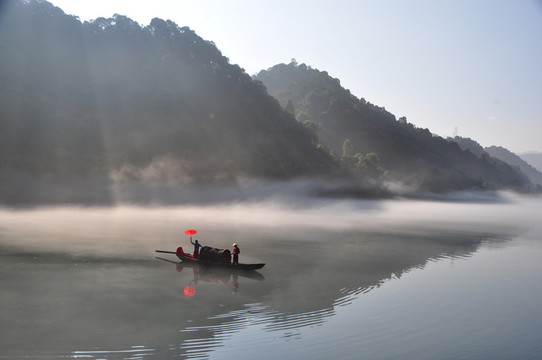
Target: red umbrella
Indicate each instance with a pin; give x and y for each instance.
(191, 232)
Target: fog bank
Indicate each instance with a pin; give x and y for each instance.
(135, 231)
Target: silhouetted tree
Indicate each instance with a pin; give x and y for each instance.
(289, 107)
(347, 148)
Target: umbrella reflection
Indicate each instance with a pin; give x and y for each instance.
(189, 291)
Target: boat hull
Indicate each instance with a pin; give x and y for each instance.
(241, 267)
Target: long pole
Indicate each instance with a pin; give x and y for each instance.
(165, 252)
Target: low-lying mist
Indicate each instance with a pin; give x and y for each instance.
(136, 231)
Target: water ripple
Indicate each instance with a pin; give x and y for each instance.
(259, 315)
(135, 353)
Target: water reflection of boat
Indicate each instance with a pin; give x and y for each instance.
(214, 274)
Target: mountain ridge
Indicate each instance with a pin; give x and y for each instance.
(109, 96)
(92, 107)
(533, 158)
(411, 155)
(502, 154)
(513, 159)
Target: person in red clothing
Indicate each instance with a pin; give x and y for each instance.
(236, 252)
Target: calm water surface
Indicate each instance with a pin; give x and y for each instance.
(351, 280)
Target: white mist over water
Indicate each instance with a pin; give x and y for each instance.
(136, 231)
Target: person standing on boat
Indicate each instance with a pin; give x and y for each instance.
(236, 252)
(197, 245)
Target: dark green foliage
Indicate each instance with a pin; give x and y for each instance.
(113, 96)
(289, 107)
(348, 125)
(468, 144)
(84, 103)
(347, 148)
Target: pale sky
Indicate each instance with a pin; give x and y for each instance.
(465, 67)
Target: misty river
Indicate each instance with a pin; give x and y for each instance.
(344, 279)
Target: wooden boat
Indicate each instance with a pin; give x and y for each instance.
(211, 272)
(187, 258)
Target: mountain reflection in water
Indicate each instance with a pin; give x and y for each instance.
(84, 283)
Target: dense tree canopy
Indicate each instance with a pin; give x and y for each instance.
(349, 126)
(95, 96)
(113, 100)
(500, 154)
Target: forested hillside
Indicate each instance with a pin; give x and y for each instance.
(112, 96)
(87, 107)
(509, 157)
(354, 129)
(500, 154)
(534, 159)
